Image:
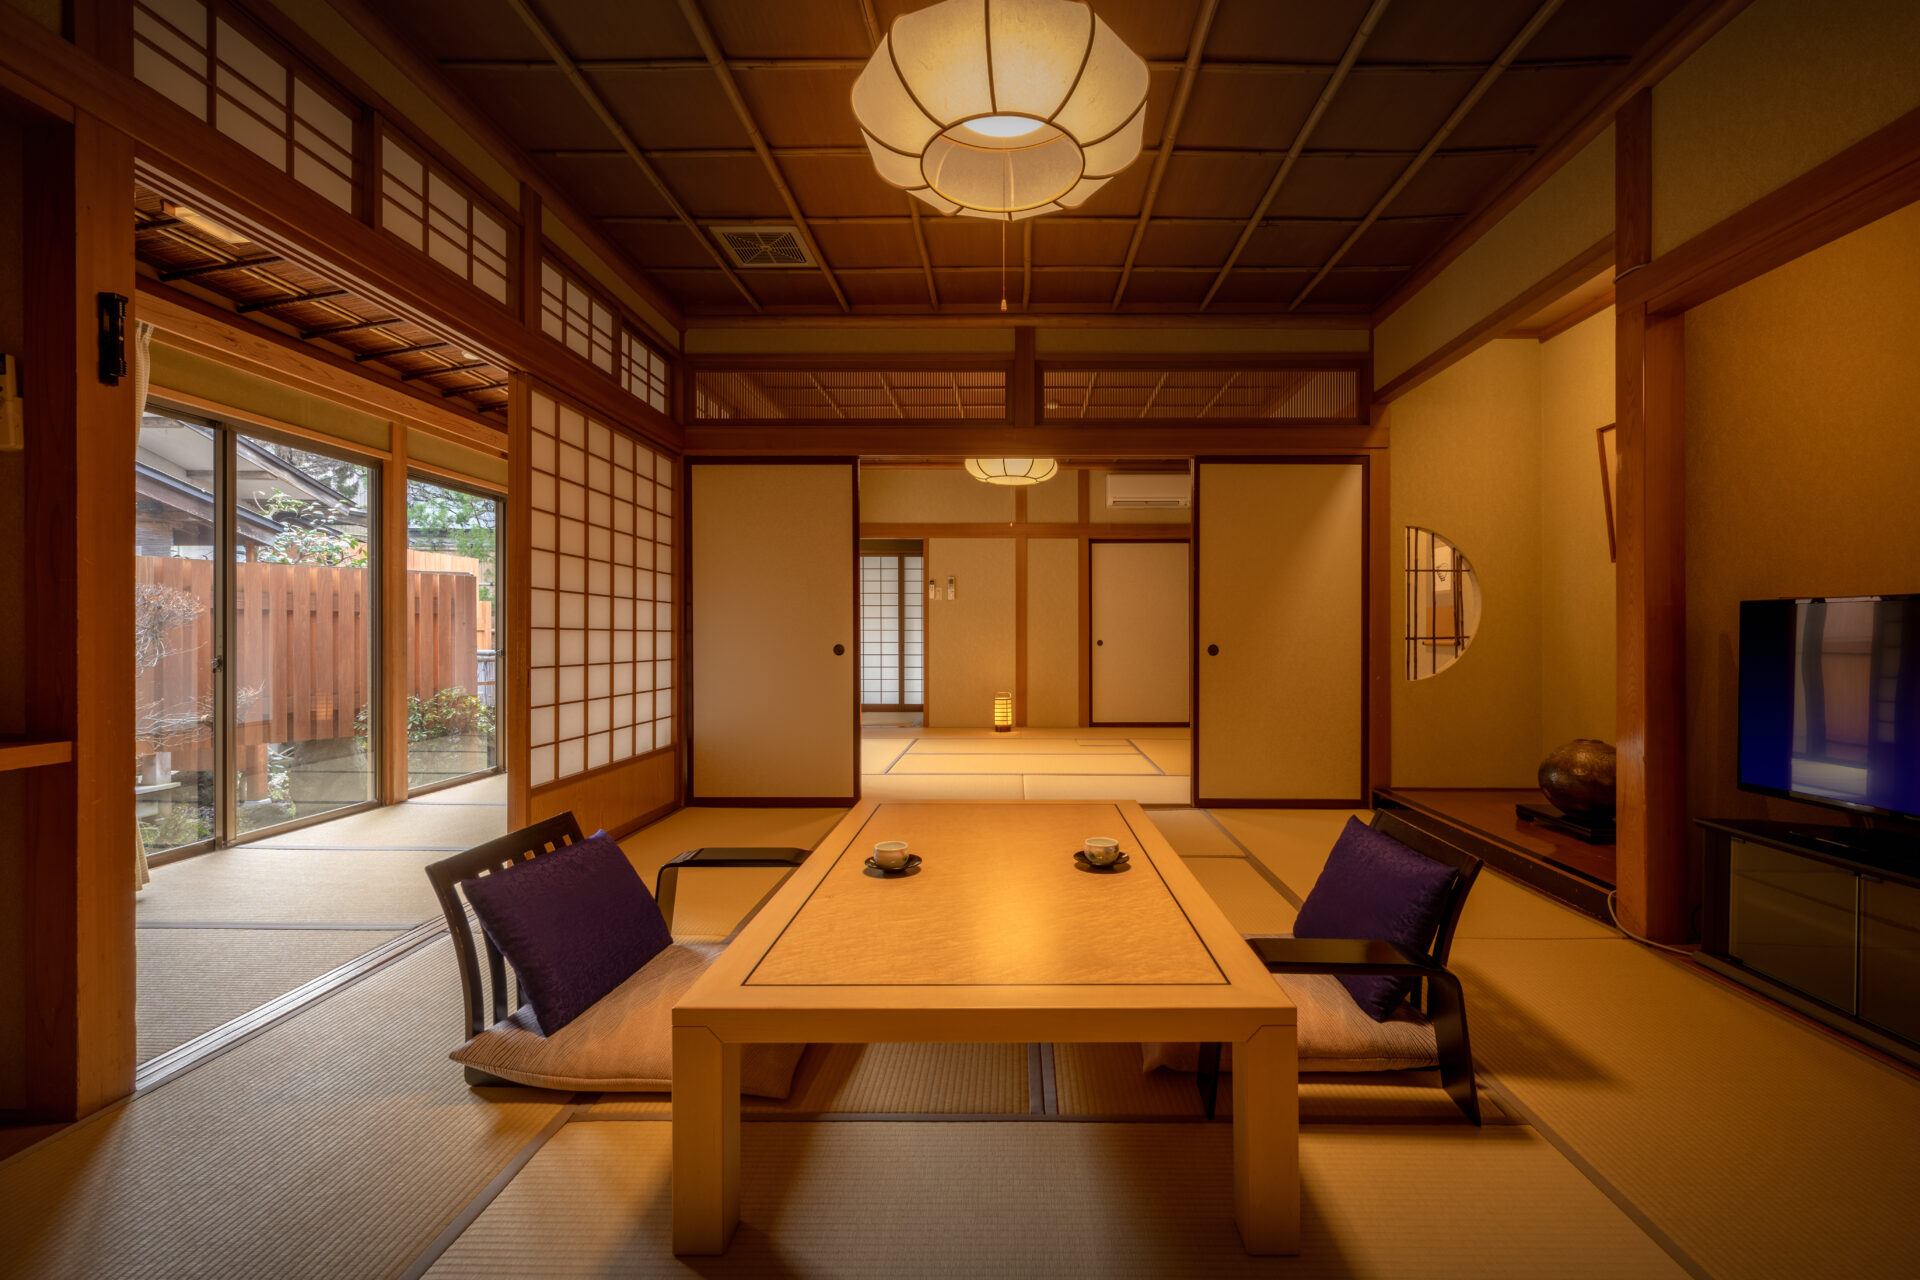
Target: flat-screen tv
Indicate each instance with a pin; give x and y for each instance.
(1830, 701)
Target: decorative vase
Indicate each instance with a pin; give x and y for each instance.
(1578, 778)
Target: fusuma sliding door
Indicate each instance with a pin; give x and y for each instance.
(774, 638)
(1282, 642)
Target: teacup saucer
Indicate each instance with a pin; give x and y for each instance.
(913, 864)
(1118, 864)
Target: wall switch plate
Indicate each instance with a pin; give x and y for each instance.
(13, 433)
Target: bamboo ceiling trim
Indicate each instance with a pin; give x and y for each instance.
(294, 300)
(1305, 157)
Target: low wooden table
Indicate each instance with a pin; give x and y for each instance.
(997, 937)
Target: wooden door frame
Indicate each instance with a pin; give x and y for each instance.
(1086, 639)
(1370, 642)
(692, 798)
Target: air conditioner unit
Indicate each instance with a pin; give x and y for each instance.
(1160, 489)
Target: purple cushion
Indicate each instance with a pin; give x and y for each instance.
(574, 923)
(1374, 887)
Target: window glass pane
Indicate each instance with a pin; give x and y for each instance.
(453, 627)
(173, 638)
(303, 634)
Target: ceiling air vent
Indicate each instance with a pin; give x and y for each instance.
(771, 246)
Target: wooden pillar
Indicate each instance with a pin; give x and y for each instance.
(81, 439)
(1379, 614)
(395, 652)
(1650, 570)
(515, 687)
(531, 241)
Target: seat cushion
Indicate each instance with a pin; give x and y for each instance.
(574, 924)
(1335, 1034)
(624, 1042)
(1374, 887)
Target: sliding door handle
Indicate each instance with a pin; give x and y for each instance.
(839, 649)
(1213, 651)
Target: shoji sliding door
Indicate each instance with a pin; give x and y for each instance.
(1281, 647)
(774, 642)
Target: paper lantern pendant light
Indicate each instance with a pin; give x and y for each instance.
(1013, 471)
(1002, 109)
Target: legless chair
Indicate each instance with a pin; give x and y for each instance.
(524, 845)
(1442, 1007)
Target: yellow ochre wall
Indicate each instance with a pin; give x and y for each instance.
(1576, 573)
(1802, 462)
(1782, 87)
(1466, 464)
(1499, 455)
(972, 641)
(1566, 215)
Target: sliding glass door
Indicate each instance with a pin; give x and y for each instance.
(304, 596)
(175, 645)
(454, 623)
(254, 633)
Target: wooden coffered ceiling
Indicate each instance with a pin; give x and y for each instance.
(1302, 156)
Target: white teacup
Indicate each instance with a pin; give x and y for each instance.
(890, 855)
(1101, 851)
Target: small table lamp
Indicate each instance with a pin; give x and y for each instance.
(1002, 713)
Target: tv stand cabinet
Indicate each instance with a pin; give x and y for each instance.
(1824, 919)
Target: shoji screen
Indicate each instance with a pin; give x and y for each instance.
(601, 665)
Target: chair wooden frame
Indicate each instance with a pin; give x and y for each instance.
(524, 845)
(1440, 998)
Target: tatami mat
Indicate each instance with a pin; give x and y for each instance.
(1193, 834)
(338, 1144)
(193, 980)
(1153, 789)
(1762, 1148)
(1174, 756)
(1249, 899)
(1080, 762)
(440, 825)
(903, 1199)
(712, 902)
(1106, 1080)
(873, 1079)
(1291, 843)
(1017, 742)
(255, 885)
(942, 786)
(877, 753)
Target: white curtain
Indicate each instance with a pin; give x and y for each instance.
(142, 362)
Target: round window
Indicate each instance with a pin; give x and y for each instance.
(1443, 603)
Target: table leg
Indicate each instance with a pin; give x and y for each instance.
(1266, 1140)
(706, 1140)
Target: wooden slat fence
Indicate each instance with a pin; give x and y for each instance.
(301, 647)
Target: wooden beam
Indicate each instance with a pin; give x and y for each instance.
(1650, 573)
(1196, 51)
(1691, 26)
(1020, 528)
(571, 70)
(1576, 271)
(1520, 41)
(1865, 182)
(76, 897)
(1163, 438)
(1307, 126)
(702, 32)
